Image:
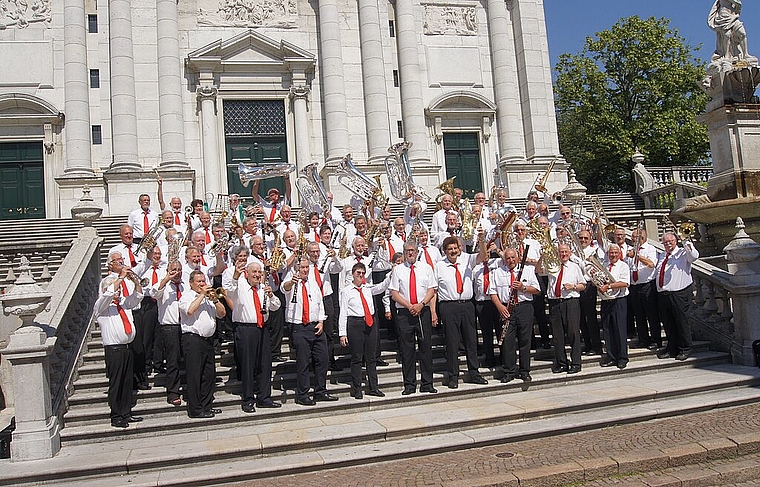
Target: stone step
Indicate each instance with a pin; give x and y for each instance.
(264, 447)
(90, 422)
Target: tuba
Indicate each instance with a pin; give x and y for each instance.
(311, 189)
(400, 174)
(360, 184)
(446, 188)
(249, 172)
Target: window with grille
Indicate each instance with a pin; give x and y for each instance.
(254, 118)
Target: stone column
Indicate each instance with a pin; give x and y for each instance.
(170, 86)
(412, 106)
(373, 77)
(506, 87)
(123, 101)
(37, 434)
(333, 89)
(76, 91)
(299, 94)
(211, 172)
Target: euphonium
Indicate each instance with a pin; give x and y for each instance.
(399, 173)
(599, 274)
(248, 173)
(359, 183)
(221, 245)
(149, 239)
(549, 256)
(446, 188)
(311, 189)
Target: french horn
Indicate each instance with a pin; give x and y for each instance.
(248, 173)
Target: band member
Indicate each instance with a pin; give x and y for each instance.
(194, 220)
(129, 250)
(305, 314)
(148, 327)
(271, 206)
(488, 317)
(285, 222)
(564, 288)
(439, 217)
(511, 297)
(614, 310)
(118, 296)
(357, 327)
(197, 314)
(643, 293)
(252, 299)
(193, 261)
(674, 285)
(413, 288)
(142, 219)
(318, 267)
(237, 211)
(312, 232)
(539, 300)
(455, 291)
(167, 293)
(592, 340)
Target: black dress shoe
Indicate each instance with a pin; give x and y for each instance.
(376, 393)
(682, 356)
(143, 387)
(574, 369)
(526, 377)
(307, 401)
(134, 419)
(357, 394)
(215, 411)
(478, 379)
(507, 379)
(429, 389)
(622, 363)
(607, 361)
(119, 423)
(202, 414)
(453, 383)
(558, 369)
(268, 404)
(381, 363)
(324, 397)
(653, 346)
(248, 408)
(278, 358)
(663, 353)
(407, 391)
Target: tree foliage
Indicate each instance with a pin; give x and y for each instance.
(635, 85)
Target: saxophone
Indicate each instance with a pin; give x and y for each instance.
(278, 255)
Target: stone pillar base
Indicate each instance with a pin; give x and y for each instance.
(32, 442)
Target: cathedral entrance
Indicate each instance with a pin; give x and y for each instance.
(462, 154)
(22, 181)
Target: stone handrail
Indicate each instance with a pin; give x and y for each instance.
(74, 289)
(672, 195)
(713, 314)
(45, 257)
(669, 187)
(680, 174)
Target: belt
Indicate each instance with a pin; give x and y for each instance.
(207, 339)
(123, 346)
(561, 299)
(456, 301)
(303, 324)
(170, 324)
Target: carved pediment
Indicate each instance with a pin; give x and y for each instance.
(23, 106)
(461, 101)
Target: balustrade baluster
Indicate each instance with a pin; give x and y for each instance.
(699, 297)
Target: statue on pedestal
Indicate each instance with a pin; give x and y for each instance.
(731, 45)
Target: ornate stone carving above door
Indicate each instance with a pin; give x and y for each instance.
(450, 20)
(248, 13)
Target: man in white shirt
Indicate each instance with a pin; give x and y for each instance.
(142, 219)
(590, 327)
(674, 287)
(167, 295)
(614, 310)
(643, 292)
(564, 288)
(439, 217)
(271, 206)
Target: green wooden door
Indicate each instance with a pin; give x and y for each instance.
(22, 181)
(256, 151)
(462, 154)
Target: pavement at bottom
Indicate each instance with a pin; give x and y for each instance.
(482, 466)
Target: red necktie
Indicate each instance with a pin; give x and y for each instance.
(154, 279)
(203, 259)
(367, 315)
(208, 237)
(487, 277)
(146, 223)
(610, 267)
(305, 298)
(124, 319)
(176, 218)
(427, 256)
(635, 275)
(391, 250)
(412, 285)
(316, 237)
(402, 236)
(271, 213)
(318, 278)
(661, 280)
(257, 305)
(460, 284)
(522, 249)
(132, 261)
(558, 286)
(178, 287)
(511, 277)
(124, 289)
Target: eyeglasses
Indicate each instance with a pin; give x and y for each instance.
(565, 213)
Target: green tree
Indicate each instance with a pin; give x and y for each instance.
(633, 85)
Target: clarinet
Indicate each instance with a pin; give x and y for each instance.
(294, 299)
(265, 301)
(512, 297)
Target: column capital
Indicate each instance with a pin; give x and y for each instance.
(206, 92)
(300, 91)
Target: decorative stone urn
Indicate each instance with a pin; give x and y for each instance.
(86, 211)
(25, 299)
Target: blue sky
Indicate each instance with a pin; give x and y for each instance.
(568, 22)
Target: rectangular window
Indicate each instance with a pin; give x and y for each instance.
(97, 135)
(391, 28)
(395, 78)
(92, 23)
(400, 126)
(94, 78)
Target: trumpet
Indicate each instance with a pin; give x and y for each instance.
(684, 232)
(220, 246)
(214, 294)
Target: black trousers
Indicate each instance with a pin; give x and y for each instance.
(408, 327)
(310, 347)
(171, 336)
(388, 324)
(119, 361)
(519, 332)
(150, 329)
(589, 320)
(459, 323)
(615, 326)
(276, 322)
(490, 326)
(674, 312)
(362, 340)
(539, 310)
(643, 300)
(138, 350)
(329, 324)
(201, 372)
(255, 357)
(565, 315)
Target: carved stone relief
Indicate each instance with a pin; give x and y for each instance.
(248, 13)
(21, 13)
(451, 20)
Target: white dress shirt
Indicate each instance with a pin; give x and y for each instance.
(622, 273)
(645, 273)
(677, 275)
(400, 281)
(294, 311)
(168, 302)
(433, 252)
(112, 327)
(136, 220)
(571, 274)
(243, 304)
(351, 302)
(445, 274)
(348, 263)
(479, 284)
(501, 282)
(203, 321)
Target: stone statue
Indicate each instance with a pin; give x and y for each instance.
(731, 44)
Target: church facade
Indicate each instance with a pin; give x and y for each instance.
(109, 93)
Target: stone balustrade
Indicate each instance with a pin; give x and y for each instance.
(713, 314)
(669, 187)
(680, 174)
(45, 258)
